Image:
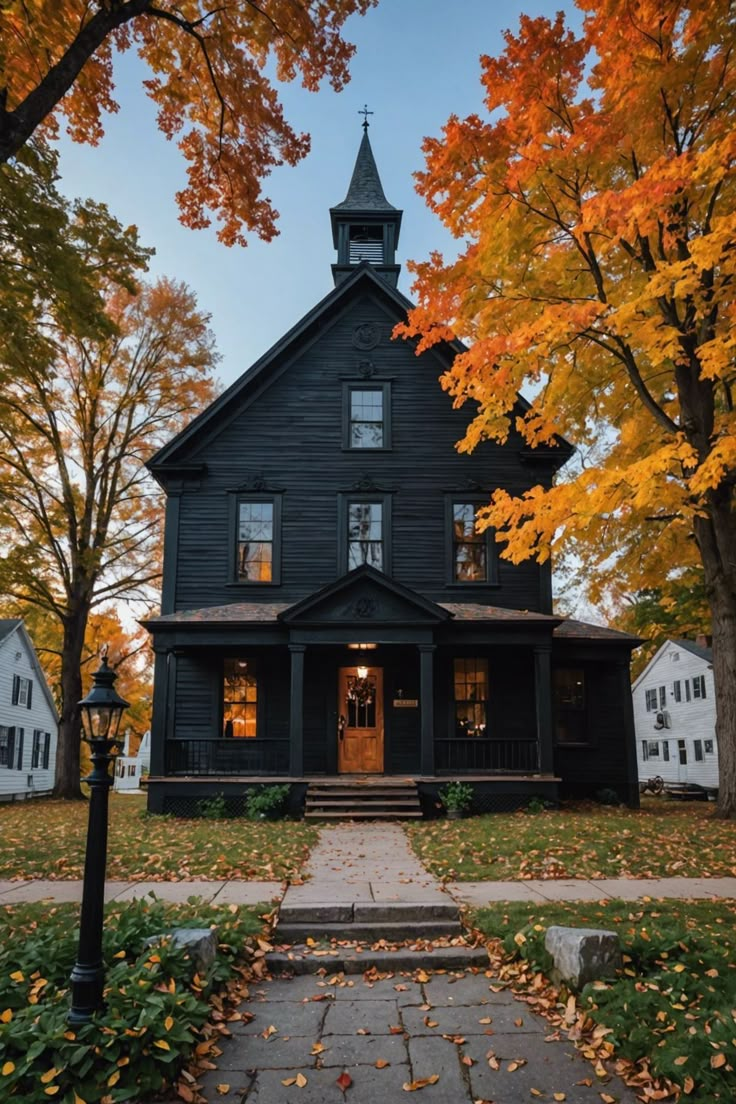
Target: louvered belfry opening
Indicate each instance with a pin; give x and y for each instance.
(366, 244)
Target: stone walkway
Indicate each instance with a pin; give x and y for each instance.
(471, 1038)
(376, 888)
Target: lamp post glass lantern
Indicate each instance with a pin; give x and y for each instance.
(101, 712)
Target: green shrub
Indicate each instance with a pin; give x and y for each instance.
(155, 1003)
(537, 805)
(457, 795)
(267, 803)
(213, 808)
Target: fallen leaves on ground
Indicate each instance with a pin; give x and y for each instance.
(46, 839)
(421, 1083)
(662, 839)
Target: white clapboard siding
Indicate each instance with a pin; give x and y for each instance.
(689, 721)
(18, 658)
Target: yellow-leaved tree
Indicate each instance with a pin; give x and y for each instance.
(595, 203)
(209, 76)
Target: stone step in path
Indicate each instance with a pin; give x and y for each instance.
(388, 1016)
(366, 890)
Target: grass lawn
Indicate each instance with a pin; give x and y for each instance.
(663, 839)
(157, 1005)
(673, 1010)
(45, 839)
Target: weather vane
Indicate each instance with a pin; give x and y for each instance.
(365, 113)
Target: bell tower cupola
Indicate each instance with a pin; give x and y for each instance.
(365, 226)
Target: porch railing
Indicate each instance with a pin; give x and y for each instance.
(219, 757)
(519, 756)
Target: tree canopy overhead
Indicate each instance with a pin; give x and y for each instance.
(596, 206)
(209, 78)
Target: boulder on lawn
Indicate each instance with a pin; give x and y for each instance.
(583, 954)
(201, 943)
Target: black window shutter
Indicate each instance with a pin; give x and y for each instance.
(11, 747)
(46, 749)
(20, 748)
(30, 693)
(16, 689)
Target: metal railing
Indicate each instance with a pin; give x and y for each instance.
(218, 757)
(513, 756)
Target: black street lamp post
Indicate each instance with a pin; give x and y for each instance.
(101, 711)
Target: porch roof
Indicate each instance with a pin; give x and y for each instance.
(247, 613)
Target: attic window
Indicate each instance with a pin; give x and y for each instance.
(366, 244)
(367, 416)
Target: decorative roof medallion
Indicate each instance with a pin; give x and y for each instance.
(365, 607)
(366, 336)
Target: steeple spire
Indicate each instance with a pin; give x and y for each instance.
(365, 226)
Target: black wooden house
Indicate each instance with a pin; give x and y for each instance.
(328, 608)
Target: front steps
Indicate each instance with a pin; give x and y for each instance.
(362, 799)
(353, 938)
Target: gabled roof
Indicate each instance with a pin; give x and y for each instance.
(11, 625)
(706, 654)
(366, 191)
(8, 625)
(365, 596)
(695, 649)
(173, 455)
(266, 367)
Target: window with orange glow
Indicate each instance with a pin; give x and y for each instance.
(240, 700)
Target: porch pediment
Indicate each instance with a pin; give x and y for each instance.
(365, 597)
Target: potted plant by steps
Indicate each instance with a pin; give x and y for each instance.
(457, 797)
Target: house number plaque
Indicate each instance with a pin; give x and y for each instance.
(406, 703)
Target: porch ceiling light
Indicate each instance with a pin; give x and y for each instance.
(362, 672)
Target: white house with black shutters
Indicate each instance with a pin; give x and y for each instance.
(29, 722)
(675, 716)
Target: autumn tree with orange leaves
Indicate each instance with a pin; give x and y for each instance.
(80, 520)
(596, 206)
(208, 77)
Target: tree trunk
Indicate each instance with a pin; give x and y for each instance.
(716, 537)
(67, 783)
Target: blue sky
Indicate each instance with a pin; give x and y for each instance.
(416, 63)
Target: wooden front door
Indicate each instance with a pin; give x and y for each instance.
(360, 721)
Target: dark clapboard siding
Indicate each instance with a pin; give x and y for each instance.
(291, 436)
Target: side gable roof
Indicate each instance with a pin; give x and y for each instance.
(11, 625)
(174, 455)
(706, 654)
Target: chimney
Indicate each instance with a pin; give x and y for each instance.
(703, 641)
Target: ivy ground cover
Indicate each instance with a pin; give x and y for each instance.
(158, 1006)
(662, 839)
(46, 839)
(670, 1015)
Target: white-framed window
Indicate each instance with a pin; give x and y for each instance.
(699, 686)
(650, 697)
(662, 697)
(709, 747)
(22, 691)
(652, 749)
